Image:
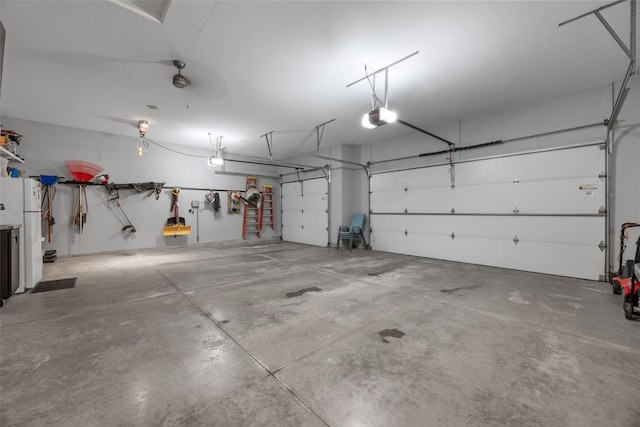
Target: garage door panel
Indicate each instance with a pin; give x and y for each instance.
(566, 196)
(436, 176)
(557, 164)
(304, 212)
(417, 200)
(314, 186)
(309, 236)
(543, 244)
(535, 212)
(315, 219)
(292, 220)
(292, 202)
(572, 195)
(308, 219)
(484, 198)
(580, 230)
(314, 203)
(291, 189)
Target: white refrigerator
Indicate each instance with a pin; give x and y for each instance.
(21, 199)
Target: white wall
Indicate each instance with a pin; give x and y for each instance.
(45, 147)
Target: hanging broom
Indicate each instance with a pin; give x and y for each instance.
(176, 225)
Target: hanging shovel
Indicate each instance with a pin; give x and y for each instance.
(176, 225)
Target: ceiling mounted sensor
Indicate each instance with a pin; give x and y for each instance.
(179, 80)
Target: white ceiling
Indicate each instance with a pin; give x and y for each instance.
(267, 66)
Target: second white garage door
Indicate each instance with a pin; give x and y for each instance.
(305, 217)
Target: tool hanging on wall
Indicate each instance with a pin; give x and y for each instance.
(176, 225)
(48, 183)
(81, 170)
(114, 196)
(233, 202)
(213, 198)
(81, 210)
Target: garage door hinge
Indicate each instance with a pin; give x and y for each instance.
(453, 210)
(406, 233)
(516, 210)
(602, 175)
(602, 210)
(453, 235)
(405, 210)
(515, 240)
(602, 246)
(406, 189)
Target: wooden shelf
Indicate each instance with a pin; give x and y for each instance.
(8, 155)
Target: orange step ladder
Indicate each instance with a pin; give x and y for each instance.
(251, 215)
(266, 207)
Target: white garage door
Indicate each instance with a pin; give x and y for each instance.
(305, 217)
(541, 212)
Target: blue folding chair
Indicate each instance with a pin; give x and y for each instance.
(353, 231)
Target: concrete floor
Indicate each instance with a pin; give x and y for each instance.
(270, 333)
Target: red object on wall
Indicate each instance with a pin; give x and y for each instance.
(82, 171)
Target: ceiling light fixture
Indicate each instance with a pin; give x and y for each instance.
(378, 116)
(214, 161)
(179, 80)
(143, 127)
(218, 159)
